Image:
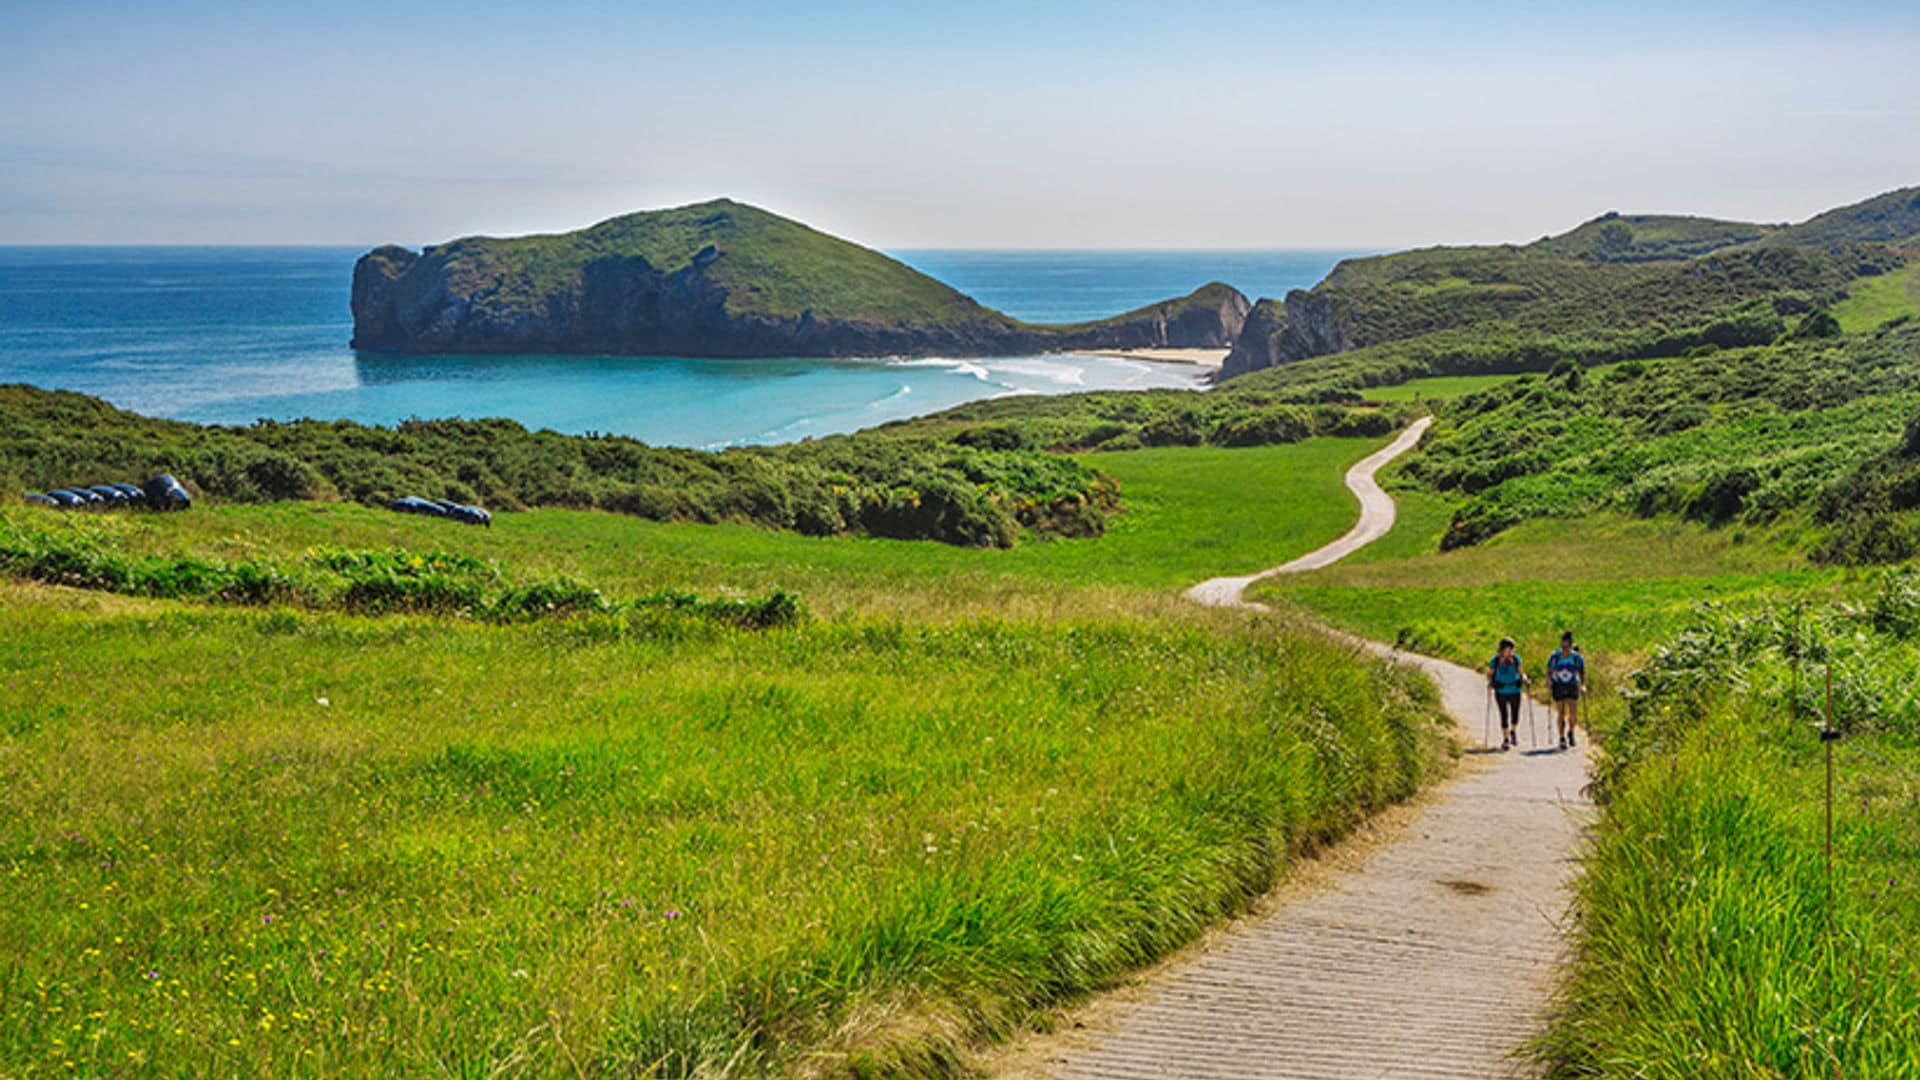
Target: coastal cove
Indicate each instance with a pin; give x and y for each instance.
(231, 335)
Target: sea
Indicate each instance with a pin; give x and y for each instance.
(230, 335)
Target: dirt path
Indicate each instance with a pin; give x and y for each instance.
(1431, 956)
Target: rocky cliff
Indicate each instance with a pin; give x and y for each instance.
(719, 279)
(1305, 324)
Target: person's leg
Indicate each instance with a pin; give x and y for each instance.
(1510, 719)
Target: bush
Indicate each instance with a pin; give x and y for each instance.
(1264, 428)
(50, 438)
(1720, 499)
(390, 581)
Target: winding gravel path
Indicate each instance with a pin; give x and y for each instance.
(1433, 957)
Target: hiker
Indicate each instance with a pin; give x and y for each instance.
(1505, 678)
(1567, 679)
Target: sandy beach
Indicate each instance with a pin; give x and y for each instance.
(1211, 359)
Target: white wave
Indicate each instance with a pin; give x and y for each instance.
(958, 367)
(902, 391)
(1052, 371)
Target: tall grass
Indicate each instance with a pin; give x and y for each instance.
(1712, 940)
(308, 841)
(313, 844)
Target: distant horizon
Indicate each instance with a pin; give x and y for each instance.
(1315, 248)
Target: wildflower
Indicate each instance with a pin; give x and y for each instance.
(151, 975)
(322, 702)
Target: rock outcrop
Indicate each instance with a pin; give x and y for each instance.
(720, 279)
(1305, 324)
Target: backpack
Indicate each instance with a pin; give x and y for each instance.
(1565, 670)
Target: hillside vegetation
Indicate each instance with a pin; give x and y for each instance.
(773, 265)
(1740, 436)
(973, 476)
(1619, 287)
(718, 278)
(1464, 311)
(1892, 218)
(914, 489)
(1616, 237)
(1697, 520)
(1715, 823)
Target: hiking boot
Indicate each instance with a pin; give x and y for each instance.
(1572, 739)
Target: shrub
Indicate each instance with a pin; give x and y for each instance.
(49, 438)
(1720, 499)
(1264, 428)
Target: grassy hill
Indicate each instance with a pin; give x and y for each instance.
(718, 278)
(1892, 218)
(1457, 311)
(1616, 237)
(1619, 287)
(771, 266)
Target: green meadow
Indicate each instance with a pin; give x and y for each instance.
(1875, 301)
(1435, 388)
(962, 787)
(1189, 513)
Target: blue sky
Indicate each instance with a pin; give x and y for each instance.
(928, 125)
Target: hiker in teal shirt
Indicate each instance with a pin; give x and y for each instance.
(1506, 677)
(1567, 679)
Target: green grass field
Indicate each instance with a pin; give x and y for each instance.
(1622, 585)
(1188, 513)
(968, 787)
(1875, 301)
(1435, 388)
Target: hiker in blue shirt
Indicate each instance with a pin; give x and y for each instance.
(1506, 677)
(1567, 679)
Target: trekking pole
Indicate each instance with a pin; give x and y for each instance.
(1486, 722)
(1533, 724)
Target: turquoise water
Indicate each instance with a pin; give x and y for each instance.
(231, 335)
